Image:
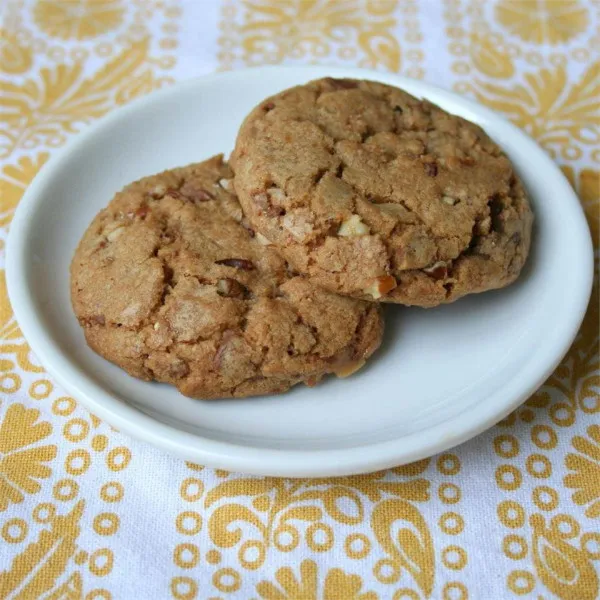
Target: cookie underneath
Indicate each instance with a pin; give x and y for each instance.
(375, 194)
(170, 284)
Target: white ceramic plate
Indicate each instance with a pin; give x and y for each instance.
(442, 375)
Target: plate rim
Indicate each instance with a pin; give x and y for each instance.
(270, 461)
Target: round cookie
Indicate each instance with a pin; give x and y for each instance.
(375, 194)
(170, 284)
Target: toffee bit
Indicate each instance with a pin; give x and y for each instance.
(142, 211)
(341, 84)
(312, 380)
(437, 271)
(201, 195)
(173, 193)
(449, 200)
(431, 169)
(230, 288)
(236, 263)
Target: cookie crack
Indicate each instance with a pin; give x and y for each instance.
(357, 332)
(301, 321)
(167, 272)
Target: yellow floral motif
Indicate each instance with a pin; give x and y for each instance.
(547, 108)
(14, 179)
(14, 57)
(9, 329)
(586, 464)
(78, 19)
(584, 356)
(194, 466)
(11, 338)
(587, 185)
(576, 377)
(489, 59)
(141, 85)
(276, 29)
(337, 584)
(34, 571)
(42, 110)
(589, 193)
(411, 546)
(72, 589)
(21, 460)
(278, 505)
(565, 570)
(543, 21)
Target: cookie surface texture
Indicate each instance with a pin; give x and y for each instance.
(170, 284)
(375, 194)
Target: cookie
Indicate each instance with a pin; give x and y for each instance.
(170, 284)
(375, 194)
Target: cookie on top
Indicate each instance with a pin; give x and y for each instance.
(375, 194)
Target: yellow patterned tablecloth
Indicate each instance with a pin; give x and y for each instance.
(87, 513)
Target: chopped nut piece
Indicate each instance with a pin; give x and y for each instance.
(115, 233)
(439, 270)
(233, 209)
(350, 368)
(381, 286)
(299, 225)
(276, 194)
(236, 263)
(178, 369)
(449, 200)
(230, 288)
(261, 239)
(156, 326)
(265, 206)
(226, 184)
(353, 227)
(261, 199)
(158, 191)
(483, 227)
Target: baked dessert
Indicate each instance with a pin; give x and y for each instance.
(172, 285)
(378, 195)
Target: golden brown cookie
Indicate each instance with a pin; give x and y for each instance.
(169, 284)
(375, 194)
